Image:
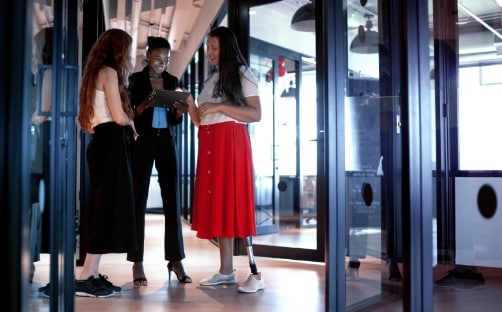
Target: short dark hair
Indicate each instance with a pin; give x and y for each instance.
(43, 43)
(158, 43)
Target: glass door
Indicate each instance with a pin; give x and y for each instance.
(468, 166)
(263, 144)
(285, 140)
(53, 130)
(373, 169)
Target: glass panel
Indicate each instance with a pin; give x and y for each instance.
(479, 125)
(308, 145)
(285, 140)
(468, 227)
(263, 148)
(286, 125)
(41, 120)
(372, 163)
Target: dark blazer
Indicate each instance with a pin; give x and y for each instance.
(139, 88)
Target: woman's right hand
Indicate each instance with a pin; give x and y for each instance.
(134, 132)
(148, 102)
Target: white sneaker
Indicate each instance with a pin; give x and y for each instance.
(252, 284)
(219, 279)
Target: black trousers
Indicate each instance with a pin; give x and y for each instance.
(157, 145)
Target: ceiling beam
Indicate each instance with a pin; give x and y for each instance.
(181, 18)
(207, 15)
(135, 13)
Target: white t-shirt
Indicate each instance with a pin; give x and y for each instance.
(249, 88)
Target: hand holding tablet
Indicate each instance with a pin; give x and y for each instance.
(167, 98)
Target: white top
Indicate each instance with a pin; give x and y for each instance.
(101, 111)
(249, 88)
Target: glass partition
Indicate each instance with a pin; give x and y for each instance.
(372, 162)
(468, 80)
(41, 126)
(53, 150)
(285, 140)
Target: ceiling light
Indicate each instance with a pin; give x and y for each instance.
(304, 18)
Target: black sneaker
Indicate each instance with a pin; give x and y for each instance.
(103, 279)
(92, 287)
(45, 291)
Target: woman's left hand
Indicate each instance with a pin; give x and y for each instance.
(180, 106)
(207, 108)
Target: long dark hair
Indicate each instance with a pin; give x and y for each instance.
(231, 59)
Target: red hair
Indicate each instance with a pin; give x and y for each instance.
(112, 49)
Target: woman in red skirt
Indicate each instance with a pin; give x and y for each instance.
(224, 205)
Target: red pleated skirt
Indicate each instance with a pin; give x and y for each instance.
(224, 183)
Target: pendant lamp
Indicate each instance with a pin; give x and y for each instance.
(366, 40)
(304, 18)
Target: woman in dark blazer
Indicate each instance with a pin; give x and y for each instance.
(156, 127)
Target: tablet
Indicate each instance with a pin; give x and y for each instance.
(166, 98)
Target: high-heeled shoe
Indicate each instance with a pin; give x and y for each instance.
(138, 274)
(177, 268)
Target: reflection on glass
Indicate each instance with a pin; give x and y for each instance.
(285, 140)
(262, 142)
(40, 141)
(371, 164)
(468, 97)
(308, 143)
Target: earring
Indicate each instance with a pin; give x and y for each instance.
(145, 62)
